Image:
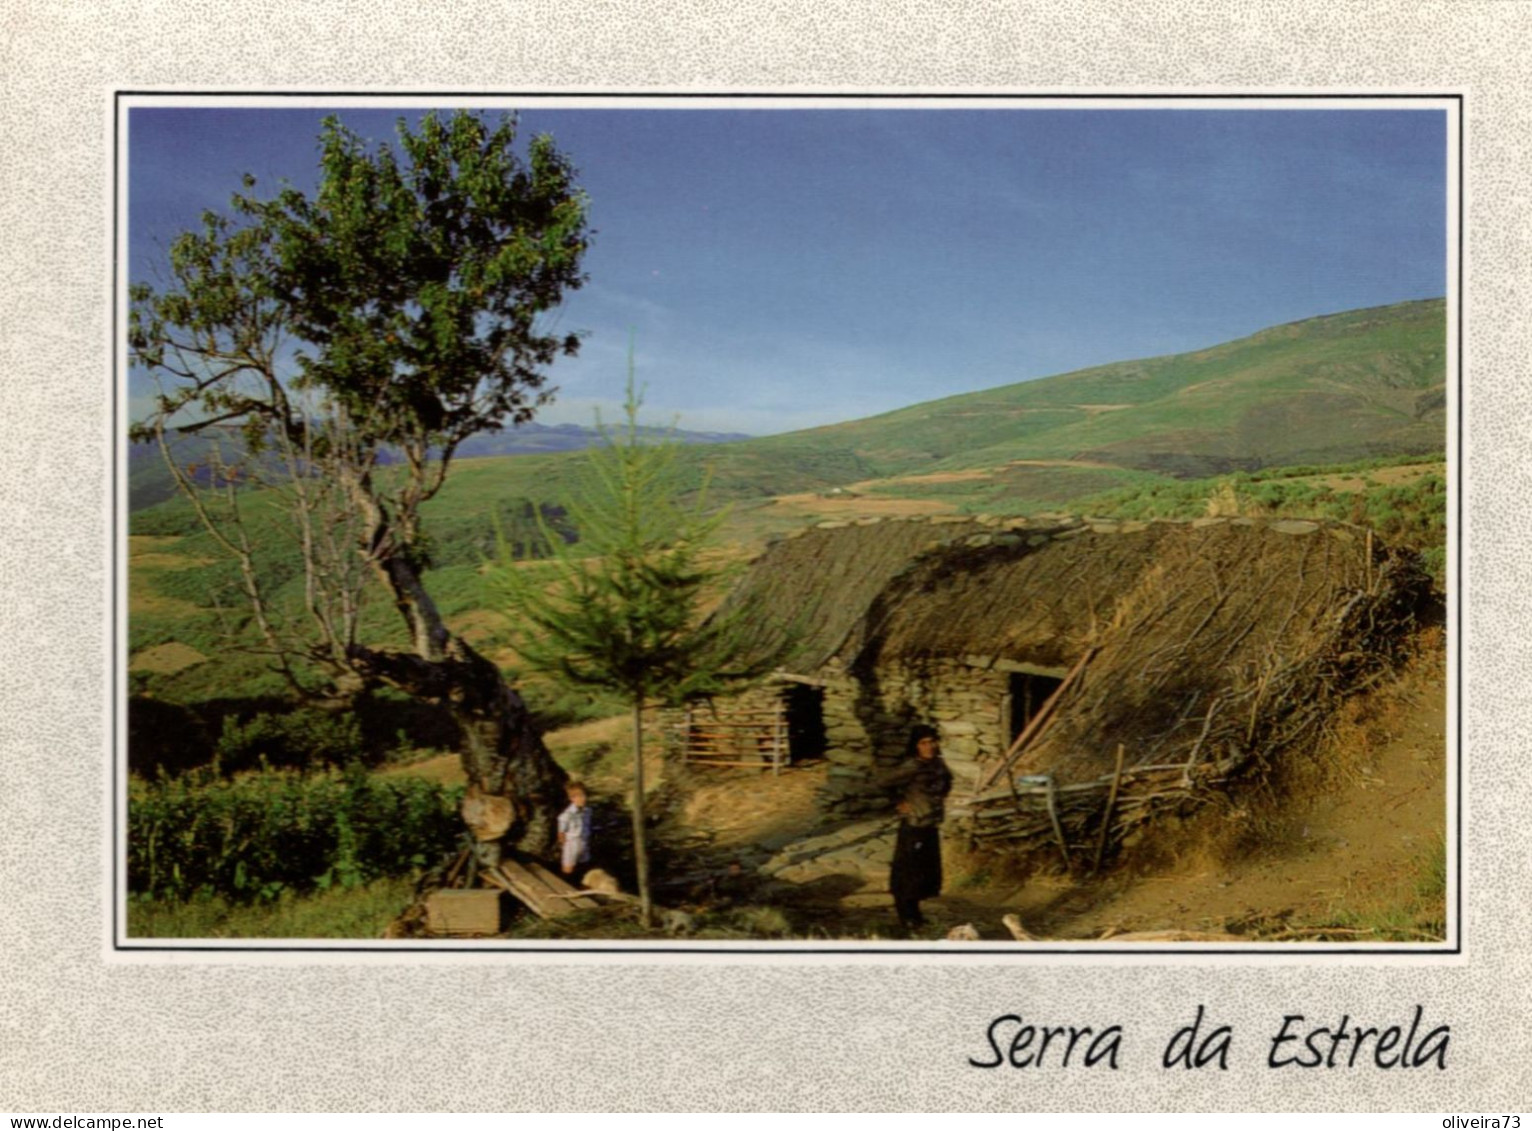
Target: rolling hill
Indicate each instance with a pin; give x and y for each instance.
(1344, 386)
(149, 482)
(1357, 385)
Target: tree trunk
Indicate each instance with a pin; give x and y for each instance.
(640, 849)
(503, 751)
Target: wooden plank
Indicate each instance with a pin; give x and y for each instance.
(560, 887)
(527, 888)
(758, 764)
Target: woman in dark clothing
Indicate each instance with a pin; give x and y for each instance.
(920, 785)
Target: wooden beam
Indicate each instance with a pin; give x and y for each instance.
(791, 677)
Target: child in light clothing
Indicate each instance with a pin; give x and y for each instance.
(574, 829)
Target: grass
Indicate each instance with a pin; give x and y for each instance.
(1418, 913)
(1325, 387)
(354, 913)
(1410, 514)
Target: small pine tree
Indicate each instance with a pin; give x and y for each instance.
(622, 614)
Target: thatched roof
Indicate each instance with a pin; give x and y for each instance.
(817, 585)
(1023, 597)
(1221, 621)
(1178, 615)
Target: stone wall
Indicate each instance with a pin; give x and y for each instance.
(868, 723)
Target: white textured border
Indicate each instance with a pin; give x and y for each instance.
(81, 1034)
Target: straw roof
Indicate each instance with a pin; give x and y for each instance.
(818, 585)
(1008, 599)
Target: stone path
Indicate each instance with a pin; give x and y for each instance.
(862, 849)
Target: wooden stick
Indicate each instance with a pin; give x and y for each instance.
(1106, 818)
(1058, 829)
(462, 858)
(708, 760)
(1309, 932)
(1035, 723)
(1207, 725)
(1255, 705)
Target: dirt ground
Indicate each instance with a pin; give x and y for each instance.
(1347, 841)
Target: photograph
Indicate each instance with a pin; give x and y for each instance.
(908, 526)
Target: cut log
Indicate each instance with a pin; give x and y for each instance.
(455, 913)
(487, 815)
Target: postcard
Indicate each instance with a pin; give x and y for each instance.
(851, 597)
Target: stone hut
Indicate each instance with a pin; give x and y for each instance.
(1039, 649)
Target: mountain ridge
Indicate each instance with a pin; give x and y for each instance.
(1352, 385)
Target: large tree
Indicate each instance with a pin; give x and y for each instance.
(353, 338)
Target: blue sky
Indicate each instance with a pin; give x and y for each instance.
(782, 268)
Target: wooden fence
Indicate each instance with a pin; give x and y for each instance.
(753, 737)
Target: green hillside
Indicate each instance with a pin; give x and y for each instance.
(1340, 387)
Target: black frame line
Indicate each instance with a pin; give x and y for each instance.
(1262, 956)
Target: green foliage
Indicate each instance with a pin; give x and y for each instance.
(164, 738)
(411, 280)
(302, 738)
(1167, 499)
(623, 617)
(554, 704)
(263, 834)
(1411, 514)
(626, 619)
(336, 349)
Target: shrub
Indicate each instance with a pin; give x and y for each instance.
(305, 737)
(262, 834)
